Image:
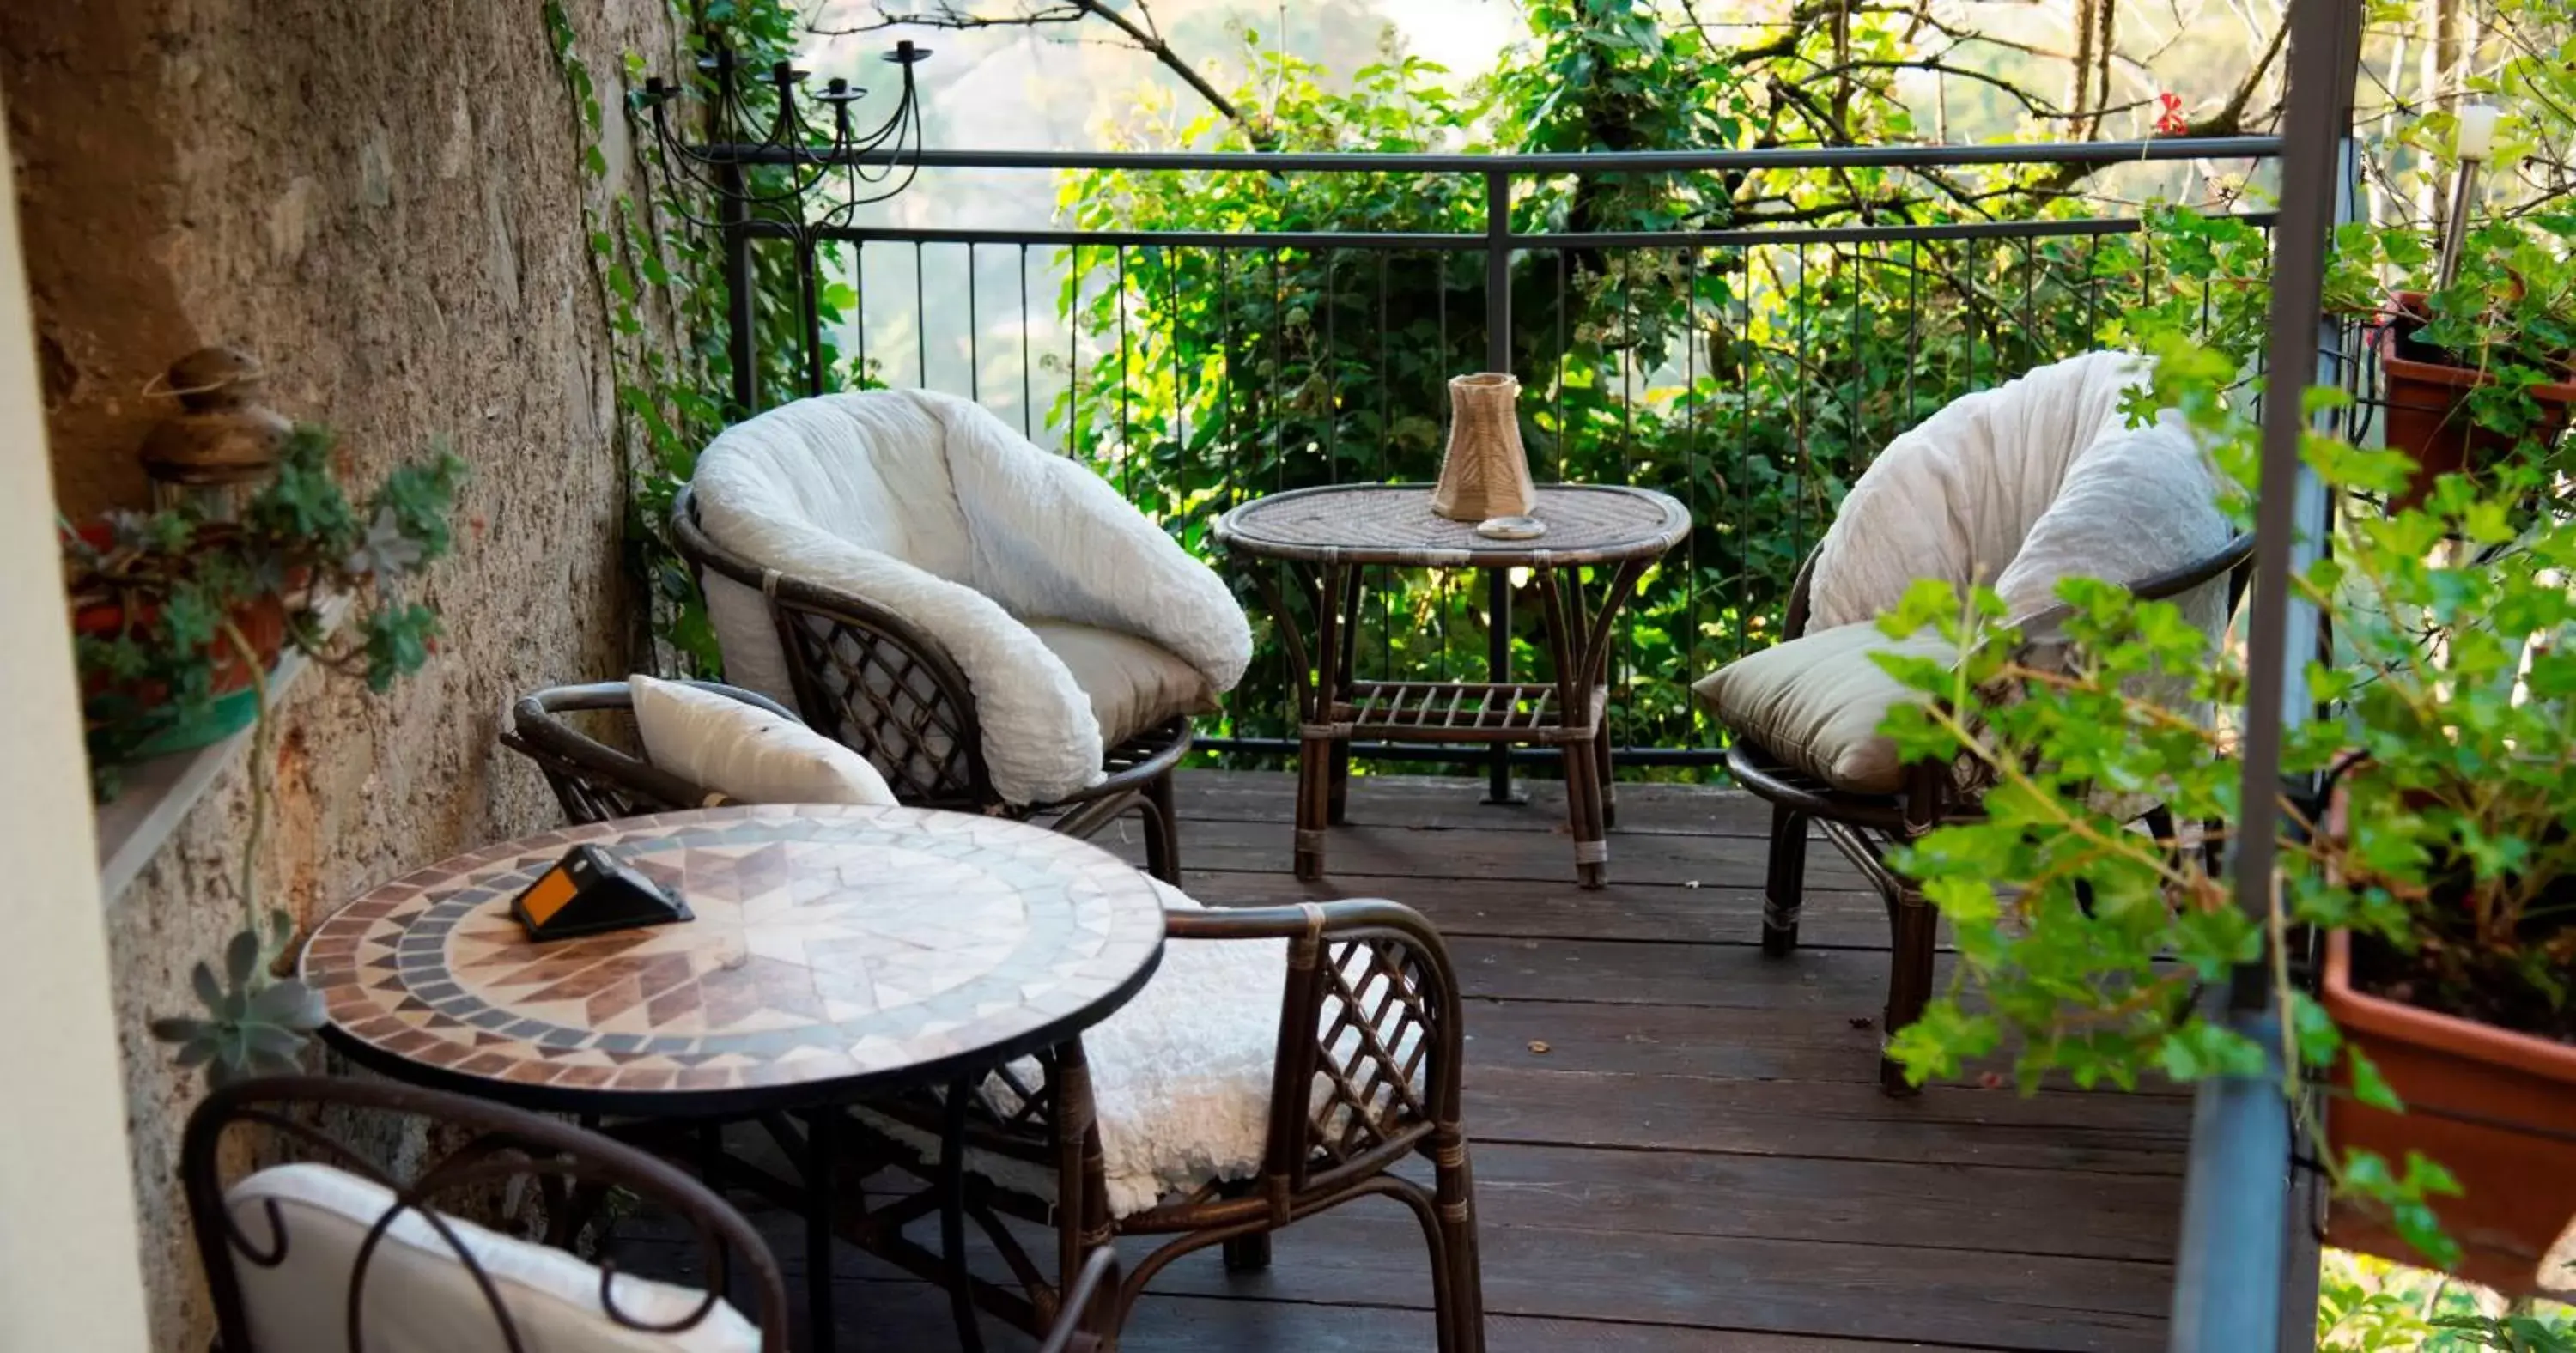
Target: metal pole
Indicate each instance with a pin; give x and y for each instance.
(734, 215)
(1498, 357)
(2229, 1272)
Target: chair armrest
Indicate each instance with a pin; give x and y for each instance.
(1370, 1030)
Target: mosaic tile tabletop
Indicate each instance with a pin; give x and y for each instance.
(832, 945)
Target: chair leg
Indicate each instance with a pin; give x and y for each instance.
(1784, 885)
(1337, 805)
(1162, 831)
(1462, 1316)
(1248, 1254)
(1915, 928)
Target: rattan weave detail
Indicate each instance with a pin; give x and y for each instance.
(1394, 524)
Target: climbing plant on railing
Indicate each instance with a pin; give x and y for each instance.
(662, 284)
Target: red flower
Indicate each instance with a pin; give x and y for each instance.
(2170, 121)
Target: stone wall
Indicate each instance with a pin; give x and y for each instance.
(379, 197)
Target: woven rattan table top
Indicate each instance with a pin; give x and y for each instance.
(835, 948)
(1394, 524)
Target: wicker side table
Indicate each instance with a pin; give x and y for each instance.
(1323, 537)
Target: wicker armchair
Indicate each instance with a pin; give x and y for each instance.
(1864, 827)
(884, 687)
(1365, 1076)
(326, 1253)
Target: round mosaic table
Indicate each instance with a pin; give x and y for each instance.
(836, 952)
(1324, 539)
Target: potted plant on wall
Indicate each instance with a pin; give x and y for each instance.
(179, 620)
(177, 617)
(2476, 339)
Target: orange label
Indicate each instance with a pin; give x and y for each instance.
(547, 896)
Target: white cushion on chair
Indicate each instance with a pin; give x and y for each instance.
(1181, 1075)
(1816, 703)
(1132, 684)
(1954, 497)
(935, 510)
(745, 752)
(418, 1297)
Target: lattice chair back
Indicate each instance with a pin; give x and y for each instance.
(336, 1254)
(1369, 1045)
(872, 681)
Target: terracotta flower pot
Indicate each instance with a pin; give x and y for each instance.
(102, 614)
(2428, 412)
(2479, 1098)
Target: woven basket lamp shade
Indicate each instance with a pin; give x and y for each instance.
(1485, 473)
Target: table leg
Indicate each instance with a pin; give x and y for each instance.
(1314, 806)
(1608, 773)
(1346, 643)
(821, 1148)
(1583, 813)
(952, 1215)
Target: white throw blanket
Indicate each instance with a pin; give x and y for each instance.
(2023, 485)
(931, 507)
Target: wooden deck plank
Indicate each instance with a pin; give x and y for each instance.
(1625, 910)
(1497, 854)
(1955, 1125)
(1373, 1256)
(1437, 802)
(1960, 1207)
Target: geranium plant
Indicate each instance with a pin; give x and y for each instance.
(187, 601)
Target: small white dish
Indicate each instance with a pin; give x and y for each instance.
(1511, 528)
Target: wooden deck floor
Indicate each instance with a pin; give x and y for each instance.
(1699, 1159)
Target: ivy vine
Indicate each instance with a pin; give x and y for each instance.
(662, 285)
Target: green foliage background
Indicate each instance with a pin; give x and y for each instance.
(1753, 380)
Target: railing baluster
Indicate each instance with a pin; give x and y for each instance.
(1126, 382)
(1028, 401)
(974, 333)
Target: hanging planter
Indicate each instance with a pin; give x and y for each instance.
(2495, 1104)
(2496, 1107)
(2429, 413)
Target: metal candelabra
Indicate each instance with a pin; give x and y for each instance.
(757, 118)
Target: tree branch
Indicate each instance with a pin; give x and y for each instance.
(1145, 37)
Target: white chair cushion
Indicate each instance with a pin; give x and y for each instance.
(418, 1298)
(2134, 505)
(934, 509)
(1180, 1076)
(1955, 497)
(1816, 702)
(745, 752)
(1132, 684)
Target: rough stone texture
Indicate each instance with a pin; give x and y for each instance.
(382, 200)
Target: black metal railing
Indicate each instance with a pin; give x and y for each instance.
(1750, 370)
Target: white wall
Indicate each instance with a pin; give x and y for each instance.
(70, 1274)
